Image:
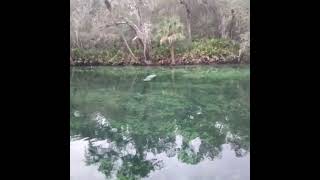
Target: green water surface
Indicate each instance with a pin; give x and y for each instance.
(186, 123)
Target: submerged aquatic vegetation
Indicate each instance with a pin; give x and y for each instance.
(208, 105)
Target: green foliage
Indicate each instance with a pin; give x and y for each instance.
(189, 157)
(82, 125)
(170, 30)
(97, 55)
(212, 47)
(199, 48)
(134, 168)
(106, 166)
(162, 52)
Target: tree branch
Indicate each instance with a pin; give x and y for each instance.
(115, 24)
(131, 24)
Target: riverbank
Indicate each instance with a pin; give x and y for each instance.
(199, 52)
(167, 62)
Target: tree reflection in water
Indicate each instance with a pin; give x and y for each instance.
(128, 121)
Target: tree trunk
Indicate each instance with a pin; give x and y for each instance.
(188, 11)
(189, 25)
(77, 40)
(143, 34)
(121, 33)
(71, 61)
(144, 43)
(146, 53)
(232, 24)
(139, 31)
(172, 55)
(127, 45)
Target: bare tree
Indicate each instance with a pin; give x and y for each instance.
(142, 28)
(108, 5)
(79, 11)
